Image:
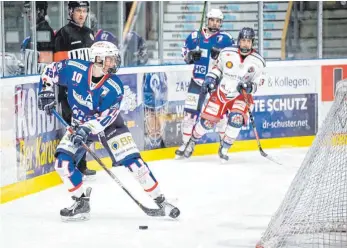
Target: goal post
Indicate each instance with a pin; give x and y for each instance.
(313, 213)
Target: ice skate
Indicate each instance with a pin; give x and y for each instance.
(222, 152)
(189, 149)
(79, 211)
(170, 210)
(89, 175)
(180, 151)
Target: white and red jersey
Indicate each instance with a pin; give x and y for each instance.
(231, 68)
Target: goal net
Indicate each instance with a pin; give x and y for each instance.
(313, 213)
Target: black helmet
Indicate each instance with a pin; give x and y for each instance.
(77, 4)
(246, 33)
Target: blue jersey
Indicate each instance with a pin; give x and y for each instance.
(95, 105)
(218, 40)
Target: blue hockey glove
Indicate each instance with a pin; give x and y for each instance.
(209, 85)
(46, 101)
(80, 136)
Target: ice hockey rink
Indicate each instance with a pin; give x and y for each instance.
(222, 205)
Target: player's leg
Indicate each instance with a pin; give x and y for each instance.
(192, 107)
(120, 145)
(210, 116)
(65, 165)
(221, 126)
(237, 117)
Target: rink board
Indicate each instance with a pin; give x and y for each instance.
(289, 107)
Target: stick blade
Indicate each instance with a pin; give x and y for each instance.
(264, 154)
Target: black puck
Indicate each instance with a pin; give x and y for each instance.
(143, 227)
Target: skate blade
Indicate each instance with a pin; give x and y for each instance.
(76, 218)
(89, 178)
(178, 157)
(223, 161)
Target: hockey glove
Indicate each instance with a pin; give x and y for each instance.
(46, 101)
(80, 136)
(247, 86)
(209, 85)
(194, 55)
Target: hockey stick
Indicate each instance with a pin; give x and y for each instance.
(251, 117)
(201, 23)
(148, 211)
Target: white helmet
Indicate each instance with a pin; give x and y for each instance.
(216, 14)
(103, 49)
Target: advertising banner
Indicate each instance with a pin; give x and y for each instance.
(290, 80)
(37, 135)
(283, 116)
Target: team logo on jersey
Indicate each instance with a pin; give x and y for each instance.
(219, 38)
(251, 69)
(88, 102)
(105, 91)
(229, 64)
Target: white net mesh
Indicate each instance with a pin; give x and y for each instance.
(313, 213)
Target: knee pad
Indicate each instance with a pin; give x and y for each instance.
(141, 172)
(202, 127)
(66, 168)
(66, 146)
(235, 120)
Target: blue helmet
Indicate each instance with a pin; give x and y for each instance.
(155, 101)
(246, 33)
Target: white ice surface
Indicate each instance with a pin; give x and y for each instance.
(222, 205)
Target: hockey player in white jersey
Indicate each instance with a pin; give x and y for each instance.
(231, 82)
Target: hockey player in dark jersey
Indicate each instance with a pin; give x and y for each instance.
(95, 95)
(44, 40)
(73, 42)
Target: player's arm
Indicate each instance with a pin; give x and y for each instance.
(189, 52)
(105, 118)
(53, 74)
(213, 76)
(253, 79)
(60, 47)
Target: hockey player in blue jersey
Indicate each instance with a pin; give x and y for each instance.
(201, 49)
(95, 95)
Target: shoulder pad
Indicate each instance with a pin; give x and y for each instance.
(230, 49)
(226, 34)
(116, 84)
(81, 64)
(258, 56)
